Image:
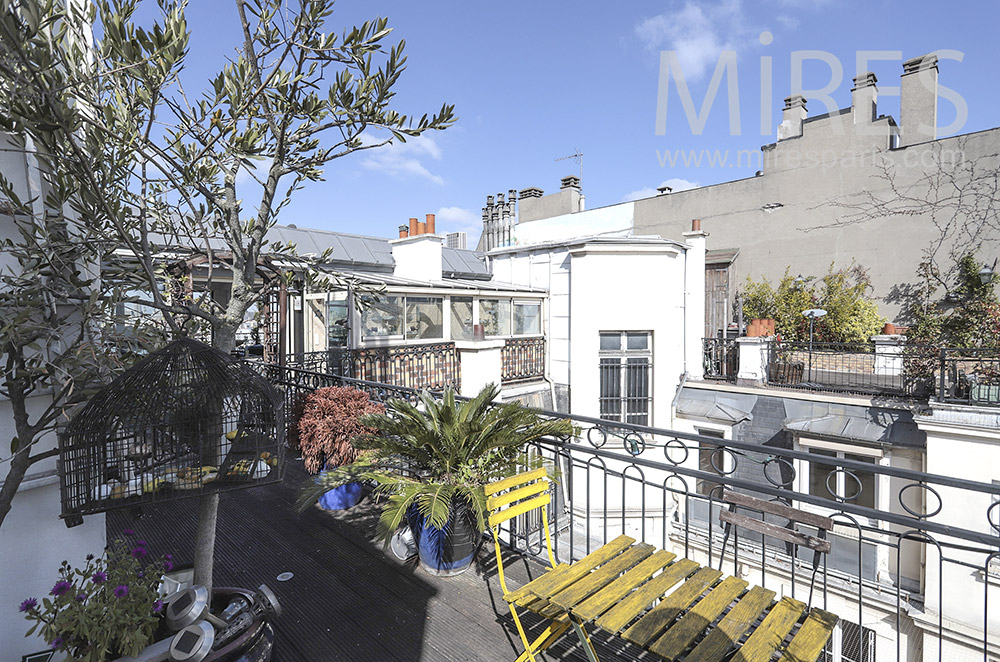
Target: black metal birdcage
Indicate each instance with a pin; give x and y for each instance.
(184, 421)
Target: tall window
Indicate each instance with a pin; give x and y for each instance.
(461, 318)
(626, 366)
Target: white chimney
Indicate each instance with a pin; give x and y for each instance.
(864, 98)
(792, 117)
(418, 258)
(918, 100)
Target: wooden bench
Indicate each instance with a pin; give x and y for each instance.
(673, 607)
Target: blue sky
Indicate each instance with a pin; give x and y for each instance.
(536, 81)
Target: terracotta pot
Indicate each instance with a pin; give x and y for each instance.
(889, 329)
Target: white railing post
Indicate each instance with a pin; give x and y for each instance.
(753, 360)
(479, 363)
(889, 354)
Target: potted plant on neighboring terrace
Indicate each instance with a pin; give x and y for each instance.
(328, 422)
(450, 451)
(107, 608)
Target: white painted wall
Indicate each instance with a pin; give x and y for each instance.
(418, 257)
(612, 221)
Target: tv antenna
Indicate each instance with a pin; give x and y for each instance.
(578, 157)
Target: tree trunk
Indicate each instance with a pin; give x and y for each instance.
(18, 467)
(224, 338)
(204, 550)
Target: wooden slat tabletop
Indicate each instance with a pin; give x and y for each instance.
(699, 615)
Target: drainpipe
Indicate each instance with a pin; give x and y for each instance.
(677, 396)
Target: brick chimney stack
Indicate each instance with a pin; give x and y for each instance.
(413, 227)
(430, 224)
(404, 232)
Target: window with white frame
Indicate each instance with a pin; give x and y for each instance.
(527, 318)
(382, 315)
(494, 315)
(626, 371)
(825, 476)
(424, 318)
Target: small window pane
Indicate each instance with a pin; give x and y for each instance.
(424, 318)
(637, 341)
(527, 318)
(818, 474)
(868, 481)
(336, 323)
(611, 341)
(494, 315)
(461, 318)
(382, 316)
(611, 389)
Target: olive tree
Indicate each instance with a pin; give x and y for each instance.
(169, 167)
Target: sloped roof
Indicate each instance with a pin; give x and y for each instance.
(352, 249)
(459, 263)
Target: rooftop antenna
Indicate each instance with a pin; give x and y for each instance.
(578, 157)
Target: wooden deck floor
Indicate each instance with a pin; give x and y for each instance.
(349, 599)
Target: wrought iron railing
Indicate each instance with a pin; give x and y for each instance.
(522, 360)
(959, 375)
(721, 359)
(969, 376)
(432, 366)
(914, 571)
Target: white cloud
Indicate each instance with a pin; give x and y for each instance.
(675, 183)
(458, 219)
(403, 160)
(698, 33)
(788, 22)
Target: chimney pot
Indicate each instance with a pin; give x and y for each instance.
(430, 224)
(531, 192)
(413, 227)
(696, 225)
(421, 227)
(404, 232)
(570, 182)
(664, 190)
(864, 98)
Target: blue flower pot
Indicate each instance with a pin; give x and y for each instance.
(448, 551)
(342, 497)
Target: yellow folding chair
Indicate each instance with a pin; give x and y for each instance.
(506, 499)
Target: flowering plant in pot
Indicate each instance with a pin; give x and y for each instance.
(108, 608)
(430, 464)
(328, 422)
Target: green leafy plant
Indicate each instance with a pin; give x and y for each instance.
(329, 421)
(108, 607)
(852, 316)
(451, 450)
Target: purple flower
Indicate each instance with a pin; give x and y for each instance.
(158, 606)
(61, 587)
(141, 574)
(121, 590)
(129, 532)
(168, 565)
(28, 605)
(56, 643)
(99, 577)
(139, 552)
(169, 557)
(81, 597)
(141, 543)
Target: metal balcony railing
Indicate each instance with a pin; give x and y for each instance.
(914, 571)
(721, 359)
(522, 360)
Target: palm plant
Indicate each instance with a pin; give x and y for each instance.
(442, 453)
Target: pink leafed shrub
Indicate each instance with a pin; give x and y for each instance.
(329, 421)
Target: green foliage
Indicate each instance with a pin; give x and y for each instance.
(107, 608)
(968, 317)
(453, 450)
(852, 316)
